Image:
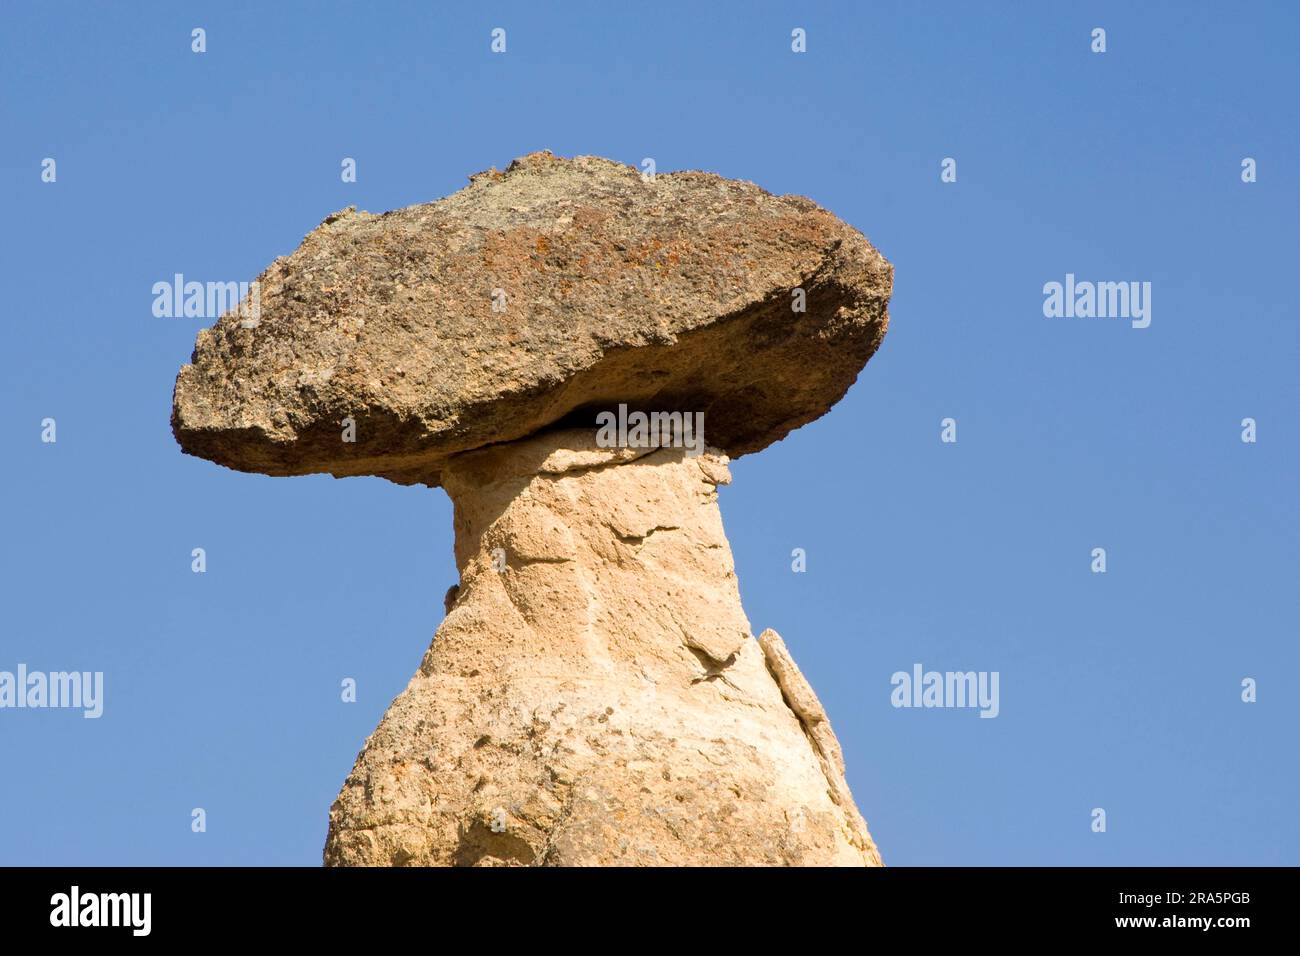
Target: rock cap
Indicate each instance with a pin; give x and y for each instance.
(534, 298)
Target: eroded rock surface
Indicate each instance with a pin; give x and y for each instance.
(594, 695)
(680, 293)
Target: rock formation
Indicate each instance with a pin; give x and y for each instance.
(594, 695)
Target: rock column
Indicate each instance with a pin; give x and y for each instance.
(594, 695)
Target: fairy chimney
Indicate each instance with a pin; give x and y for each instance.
(573, 351)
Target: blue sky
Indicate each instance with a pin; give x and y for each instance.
(1118, 690)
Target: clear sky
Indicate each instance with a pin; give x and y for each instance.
(1119, 691)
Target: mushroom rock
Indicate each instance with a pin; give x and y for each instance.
(594, 694)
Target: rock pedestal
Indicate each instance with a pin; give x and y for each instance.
(594, 695)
